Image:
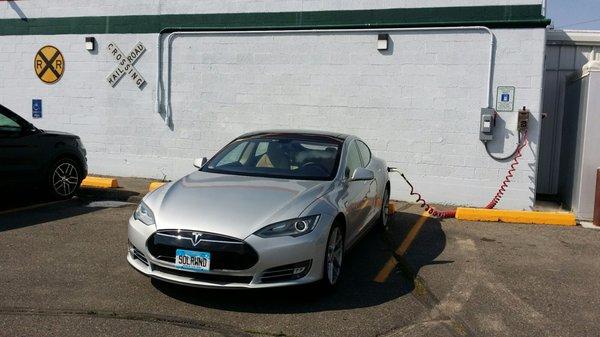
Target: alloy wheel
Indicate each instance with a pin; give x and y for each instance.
(65, 179)
(385, 208)
(335, 254)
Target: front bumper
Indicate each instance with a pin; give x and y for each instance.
(273, 253)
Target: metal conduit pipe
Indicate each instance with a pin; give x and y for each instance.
(544, 5)
(189, 31)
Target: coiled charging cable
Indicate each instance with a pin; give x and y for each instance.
(424, 204)
(510, 173)
(495, 200)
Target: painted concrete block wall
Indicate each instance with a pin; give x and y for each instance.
(417, 105)
(66, 8)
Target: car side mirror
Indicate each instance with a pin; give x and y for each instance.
(29, 130)
(362, 173)
(199, 162)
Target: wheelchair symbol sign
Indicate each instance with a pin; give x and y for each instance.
(36, 108)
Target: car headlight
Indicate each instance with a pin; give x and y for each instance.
(292, 227)
(79, 143)
(144, 214)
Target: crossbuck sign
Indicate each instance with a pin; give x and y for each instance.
(125, 64)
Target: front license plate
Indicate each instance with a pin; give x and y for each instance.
(192, 260)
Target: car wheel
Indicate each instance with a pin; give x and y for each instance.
(64, 178)
(334, 258)
(384, 213)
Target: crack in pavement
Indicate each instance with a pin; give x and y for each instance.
(477, 275)
(222, 329)
(422, 293)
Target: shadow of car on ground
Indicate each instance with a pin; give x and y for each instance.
(357, 288)
(30, 207)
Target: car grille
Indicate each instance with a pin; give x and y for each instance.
(287, 272)
(226, 253)
(212, 278)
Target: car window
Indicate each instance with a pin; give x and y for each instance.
(8, 125)
(279, 157)
(365, 153)
(261, 148)
(233, 156)
(352, 160)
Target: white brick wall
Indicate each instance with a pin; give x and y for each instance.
(65, 8)
(418, 107)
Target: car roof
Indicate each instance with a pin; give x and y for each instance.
(302, 133)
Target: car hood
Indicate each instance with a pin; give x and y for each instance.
(59, 133)
(231, 205)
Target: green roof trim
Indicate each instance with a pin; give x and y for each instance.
(517, 16)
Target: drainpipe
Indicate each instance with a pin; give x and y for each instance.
(544, 7)
(597, 200)
(181, 31)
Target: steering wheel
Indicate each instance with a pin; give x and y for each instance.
(312, 164)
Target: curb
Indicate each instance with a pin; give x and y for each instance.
(155, 184)
(524, 217)
(589, 225)
(99, 182)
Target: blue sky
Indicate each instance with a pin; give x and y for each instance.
(574, 14)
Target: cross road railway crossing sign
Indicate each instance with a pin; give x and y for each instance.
(125, 64)
(49, 64)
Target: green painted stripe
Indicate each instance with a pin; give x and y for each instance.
(520, 16)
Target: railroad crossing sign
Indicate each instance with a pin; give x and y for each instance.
(125, 64)
(49, 64)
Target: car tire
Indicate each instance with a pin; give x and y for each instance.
(334, 258)
(64, 178)
(384, 216)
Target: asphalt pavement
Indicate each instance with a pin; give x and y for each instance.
(63, 272)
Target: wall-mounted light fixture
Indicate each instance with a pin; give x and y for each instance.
(382, 41)
(90, 43)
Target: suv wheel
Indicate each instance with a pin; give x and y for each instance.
(64, 178)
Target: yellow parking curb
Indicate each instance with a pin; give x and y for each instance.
(155, 184)
(525, 217)
(99, 182)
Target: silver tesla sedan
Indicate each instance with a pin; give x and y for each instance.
(271, 209)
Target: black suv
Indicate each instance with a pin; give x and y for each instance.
(29, 156)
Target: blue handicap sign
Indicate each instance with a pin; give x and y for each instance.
(36, 108)
(505, 97)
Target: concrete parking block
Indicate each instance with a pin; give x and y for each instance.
(99, 182)
(155, 184)
(525, 217)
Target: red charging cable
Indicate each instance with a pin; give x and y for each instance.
(428, 208)
(452, 213)
(509, 175)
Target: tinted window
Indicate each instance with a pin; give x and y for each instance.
(365, 153)
(233, 156)
(352, 160)
(279, 157)
(8, 124)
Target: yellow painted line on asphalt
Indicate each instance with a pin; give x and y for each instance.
(521, 217)
(387, 268)
(99, 182)
(155, 184)
(25, 208)
(391, 208)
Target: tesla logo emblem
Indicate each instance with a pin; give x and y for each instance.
(197, 238)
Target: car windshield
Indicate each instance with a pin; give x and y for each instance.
(279, 157)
